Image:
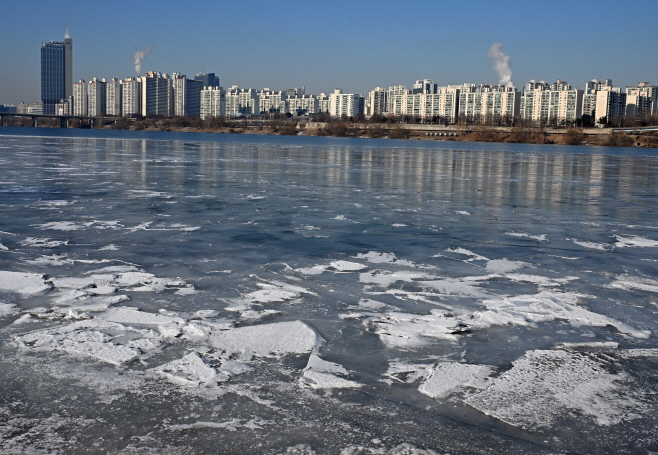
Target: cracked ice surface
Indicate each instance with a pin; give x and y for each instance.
(172, 293)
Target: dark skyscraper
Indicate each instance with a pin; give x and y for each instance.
(56, 73)
(209, 80)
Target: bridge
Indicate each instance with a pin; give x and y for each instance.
(64, 120)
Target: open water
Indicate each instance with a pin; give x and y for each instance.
(200, 293)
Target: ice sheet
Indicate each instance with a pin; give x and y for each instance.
(23, 283)
(321, 374)
(545, 386)
(452, 377)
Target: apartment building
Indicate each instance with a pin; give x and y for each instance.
(80, 98)
(212, 102)
(113, 98)
(376, 103)
(544, 103)
(302, 105)
(131, 96)
(485, 104)
(271, 102)
(157, 94)
(348, 104)
(187, 95)
(641, 101)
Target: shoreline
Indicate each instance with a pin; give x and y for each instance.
(599, 137)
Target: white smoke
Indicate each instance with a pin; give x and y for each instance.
(140, 56)
(501, 65)
(66, 34)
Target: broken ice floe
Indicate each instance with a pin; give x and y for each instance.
(627, 282)
(544, 386)
(3, 248)
(590, 245)
(43, 242)
(452, 377)
(266, 340)
(23, 283)
(404, 372)
(191, 370)
(107, 341)
(635, 241)
(404, 331)
(7, 309)
(540, 238)
(321, 374)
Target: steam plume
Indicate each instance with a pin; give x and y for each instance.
(66, 34)
(501, 64)
(140, 56)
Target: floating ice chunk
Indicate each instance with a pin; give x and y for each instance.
(314, 270)
(127, 315)
(591, 345)
(504, 265)
(544, 386)
(628, 282)
(591, 245)
(399, 225)
(371, 304)
(23, 283)
(339, 217)
(451, 377)
(110, 247)
(375, 257)
(66, 225)
(462, 212)
(539, 280)
(350, 316)
(113, 269)
(545, 306)
(635, 241)
(472, 256)
(281, 338)
(405, 372)
(191, 370)
(231, 425)
(405, 331)
(385, 278)
(254, 315)
(52, 260)
(276, 291)
(540, 238)
(321, 374)
(3, 248)
(43, 242)
(7, 309)
(106, 341)
(456, 286)
(187, 290)
(347, 266)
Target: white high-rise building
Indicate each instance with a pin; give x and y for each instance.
(556, 103)
(131, 96)
(424, 86)
(80, 98)
(589, 97)
(343, 104)
(610, 105)
(242, 102)
(641, 101)
(391, 97)
(96, 97)
(376, 103)
(323, 103)
(213, 102)
(489, 104)
(270, 102)
(302, 105)
(113, 98)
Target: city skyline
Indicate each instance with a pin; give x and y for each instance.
(325, 47)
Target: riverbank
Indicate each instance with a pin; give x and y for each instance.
(466, 133)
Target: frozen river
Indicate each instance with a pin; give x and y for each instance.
(198, 293)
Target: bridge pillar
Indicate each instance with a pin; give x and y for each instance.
(63, 122)
(34, 122)
(2, 120)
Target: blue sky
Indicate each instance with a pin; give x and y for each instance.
(355, 45)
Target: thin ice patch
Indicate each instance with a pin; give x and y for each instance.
(545, 386)
(635, 241)
(321, 374)
(448, 378)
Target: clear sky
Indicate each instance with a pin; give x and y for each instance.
(354, 45)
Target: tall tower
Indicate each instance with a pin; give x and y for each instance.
(56, 73)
